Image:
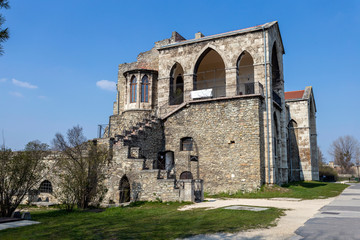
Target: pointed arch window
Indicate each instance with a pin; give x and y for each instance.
(133, 88)
(145, 89)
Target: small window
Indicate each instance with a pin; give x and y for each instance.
(186, 175)
(133, 88)
(45, 187)
(145, 89)
(186, 144)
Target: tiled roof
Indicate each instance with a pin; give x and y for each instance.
(294, 94)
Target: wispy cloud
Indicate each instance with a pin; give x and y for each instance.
(23, 84)
(3, 80)
(16, 94)
(106, 85)
(42, 97)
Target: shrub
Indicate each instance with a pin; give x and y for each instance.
(328, 174)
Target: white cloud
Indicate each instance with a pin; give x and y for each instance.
(23, 84)
(106, 85)
(42, 97)
(16, 94)
(3, 79)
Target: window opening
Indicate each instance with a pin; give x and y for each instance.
(133, 88)
(186, 144)
(145, 89)
(45, 187)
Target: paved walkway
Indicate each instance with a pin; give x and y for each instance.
(338, 220)
(297, 214)
(17, 224)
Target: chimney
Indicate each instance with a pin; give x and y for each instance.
(199, 35)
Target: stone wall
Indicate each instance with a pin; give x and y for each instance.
(227, 140)
(126, 120)
(299, 111)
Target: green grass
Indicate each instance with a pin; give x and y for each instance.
(143, 220)
(302, 190)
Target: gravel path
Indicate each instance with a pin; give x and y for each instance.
(297, 213)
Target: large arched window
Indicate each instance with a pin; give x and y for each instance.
(245, 77)
(45, 187)
(210, 73)
(145, 89)
(133, 87)
(275, 70)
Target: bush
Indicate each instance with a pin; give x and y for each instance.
(328, 174)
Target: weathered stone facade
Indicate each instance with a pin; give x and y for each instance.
(207, 114)
(226, 139)
(302, 131)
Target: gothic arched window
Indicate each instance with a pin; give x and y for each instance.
(133, 88)
(145, 89)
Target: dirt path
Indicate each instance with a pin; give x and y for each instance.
(297, 214)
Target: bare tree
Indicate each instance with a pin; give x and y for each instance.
(20, 172)
(346, 152)
(81, 169)
(321, 158)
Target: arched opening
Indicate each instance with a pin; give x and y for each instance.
(145, 89)
(293, 151)
(45, 187)
(124, 190)
(186, 175)
(245, 74)
(275, 70)
(276, 136)
(176, 85)
(209, 73)
(133, 87)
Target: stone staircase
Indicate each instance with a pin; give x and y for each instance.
(132, 134)
(135, 154)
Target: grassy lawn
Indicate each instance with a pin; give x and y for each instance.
(303, 190)
(142, 220)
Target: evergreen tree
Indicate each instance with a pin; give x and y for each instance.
(4, 33)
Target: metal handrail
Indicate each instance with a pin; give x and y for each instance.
(103, 130)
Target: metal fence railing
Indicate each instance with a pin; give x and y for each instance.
(103, 130)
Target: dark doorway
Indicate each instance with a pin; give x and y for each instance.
(124, 190)
(161, 161)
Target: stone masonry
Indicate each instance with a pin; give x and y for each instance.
(208, 114)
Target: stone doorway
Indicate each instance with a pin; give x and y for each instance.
(124, 195)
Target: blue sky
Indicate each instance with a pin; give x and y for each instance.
(59, 50)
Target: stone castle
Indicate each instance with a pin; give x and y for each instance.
(208, 114)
